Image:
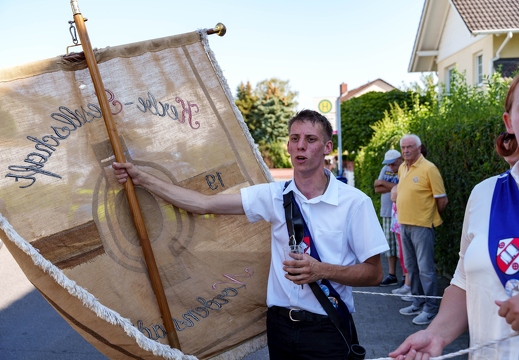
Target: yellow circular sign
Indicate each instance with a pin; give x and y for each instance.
(325, 106)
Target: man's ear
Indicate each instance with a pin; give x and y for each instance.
(508, 123)
(328, 147)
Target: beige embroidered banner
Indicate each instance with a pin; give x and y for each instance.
(72, 231)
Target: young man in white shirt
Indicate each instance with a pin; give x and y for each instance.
(341, 220)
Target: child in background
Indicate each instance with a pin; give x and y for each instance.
(405, 289)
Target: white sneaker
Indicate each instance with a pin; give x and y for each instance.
(424, 318)
(407, 298)
(402, 290)
(411, 310)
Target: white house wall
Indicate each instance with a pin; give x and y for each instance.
(455, 36)
(511, 49)
(464, 59)
(381, 86)
(377, 86)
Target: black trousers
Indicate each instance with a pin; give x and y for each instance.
(304, 340)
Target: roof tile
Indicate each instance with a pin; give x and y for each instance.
(489, 14)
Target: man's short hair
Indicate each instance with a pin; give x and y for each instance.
(315, 118)
(417, 140)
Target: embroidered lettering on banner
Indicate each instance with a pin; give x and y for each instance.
(70, 121)
(199, 312)
(192, 315)
(48, 143)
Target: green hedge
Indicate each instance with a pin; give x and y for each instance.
(359, 114)
(459, 130)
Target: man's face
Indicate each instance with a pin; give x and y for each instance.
(395, 165)
(410, 151)
(307, 147)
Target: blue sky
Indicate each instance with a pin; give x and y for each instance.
(315, 45)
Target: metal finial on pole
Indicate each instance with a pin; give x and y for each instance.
(219, 30)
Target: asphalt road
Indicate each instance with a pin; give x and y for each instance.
(30, 329)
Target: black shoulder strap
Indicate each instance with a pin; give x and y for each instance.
(295, 224)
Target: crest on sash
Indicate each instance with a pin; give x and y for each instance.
(503, 245)
(507, 257)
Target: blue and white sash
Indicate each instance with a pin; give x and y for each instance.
(503, 232)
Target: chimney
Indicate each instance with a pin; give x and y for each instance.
(344, 88)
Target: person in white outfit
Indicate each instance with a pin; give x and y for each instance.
(483, 296)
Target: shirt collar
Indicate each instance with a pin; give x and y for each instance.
(419, 161)
(515, 172)
(406, 170)
(330, 196)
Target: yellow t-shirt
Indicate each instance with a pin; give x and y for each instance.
(418, 189)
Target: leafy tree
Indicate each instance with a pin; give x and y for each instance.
(358, 115)
(278, 88)
(266, 111)
(427, 86)
(245, 99)
(276, 155)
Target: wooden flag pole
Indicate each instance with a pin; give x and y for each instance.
(130, 190)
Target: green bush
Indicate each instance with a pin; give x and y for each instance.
(266, 110)
(459, 129)
(386, 135)
(276, 155)
(359, 114)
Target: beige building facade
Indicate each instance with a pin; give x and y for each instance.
(474, 37)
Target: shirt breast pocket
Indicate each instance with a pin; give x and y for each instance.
(330, 246)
